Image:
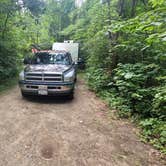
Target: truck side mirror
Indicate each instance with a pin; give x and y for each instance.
(80, 60)
(74, 63)
(27, 61)
(81, 63)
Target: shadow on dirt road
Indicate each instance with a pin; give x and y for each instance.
(49, 99)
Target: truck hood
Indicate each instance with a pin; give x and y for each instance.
(47, 68)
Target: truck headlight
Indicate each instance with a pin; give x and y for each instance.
(69, 76)
(21, 76)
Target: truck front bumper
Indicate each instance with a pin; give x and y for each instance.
(32, 88)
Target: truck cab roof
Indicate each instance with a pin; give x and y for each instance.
(52, 51)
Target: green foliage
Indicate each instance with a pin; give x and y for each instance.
(154, 131)
(8, 63)
(124, 45)
(7, 84)
(27, 24)
(142, 39)
(116, 102)
(122, 42)
(134, 82)
(139, 90)
(98, 78)
(98, 48)
(156, 3)
(36, 7)
(159, 103)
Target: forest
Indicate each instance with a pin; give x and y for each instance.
(123, 43)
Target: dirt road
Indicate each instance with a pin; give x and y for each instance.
(58, 132)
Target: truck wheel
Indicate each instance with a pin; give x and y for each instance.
(24, 95)
(71, 96)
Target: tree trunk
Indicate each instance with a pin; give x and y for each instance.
(133, 7)
(121, 8)
(115, 58)
(109, 11)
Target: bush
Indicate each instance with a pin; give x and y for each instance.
(137, 89)
(97, 78)
(116, 102)
(154, 131)
(134, 83)
(159, 103)
(8, 60)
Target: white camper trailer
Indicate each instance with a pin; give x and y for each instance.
(68, 46)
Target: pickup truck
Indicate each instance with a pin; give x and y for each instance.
(48, 73)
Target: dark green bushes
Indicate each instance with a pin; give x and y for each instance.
(135, 83)
(124, 47)
(126, 67)
(98, 78)
(8, 60)
(135, 90)
(159, 103)
(154, 131)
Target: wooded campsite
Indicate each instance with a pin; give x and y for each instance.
(122, 42)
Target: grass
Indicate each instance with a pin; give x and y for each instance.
(81, 73)
(8, 84)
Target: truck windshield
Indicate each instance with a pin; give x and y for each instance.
(49, 58)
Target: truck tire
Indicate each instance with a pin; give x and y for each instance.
(71, 96)
(24, 95)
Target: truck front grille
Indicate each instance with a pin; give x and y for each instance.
(44, 77)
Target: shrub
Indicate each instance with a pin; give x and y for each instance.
(154, 131)
(159, 103)
(134, 83)
(8, 60)
(97, 78)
